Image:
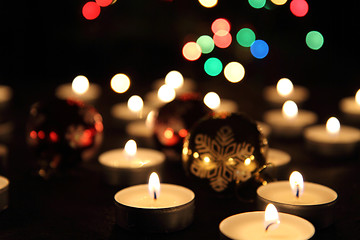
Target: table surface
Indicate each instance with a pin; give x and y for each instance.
(79, 205)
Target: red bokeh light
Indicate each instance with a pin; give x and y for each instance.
(222, 40)
(33, 134)
(91, 10)
(104, 3)
(220, 24)
(41, 134)
(53, 136)
(299, 8)
(183, 132)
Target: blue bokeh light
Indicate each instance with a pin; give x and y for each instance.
(259, 49)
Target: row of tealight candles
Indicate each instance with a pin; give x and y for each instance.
(330, 139)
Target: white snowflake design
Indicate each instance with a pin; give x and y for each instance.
(222, 160)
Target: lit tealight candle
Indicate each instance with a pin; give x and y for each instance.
(285, 90)
(213, 101)
(142, 129)
(163, 95)
(350, 106)
(266, 225)
(312, 201)
(154, 208)
(332, 140)
(79, 89)
(130, 165)
(177, 81)
(4, 193)
(289, 122)
(133, 109)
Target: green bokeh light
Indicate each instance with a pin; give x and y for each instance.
(206, 43)
(314, 40)
(257, 3)
(213, 66)
(245, 37)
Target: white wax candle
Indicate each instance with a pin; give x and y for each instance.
(277, 157)
(250, 225)
(350, 106)
(170, 196)
(144, 158)
(346, 135)
(280, 192)
(139, 129)
(65, 91)
(121, 111)
(298, 95)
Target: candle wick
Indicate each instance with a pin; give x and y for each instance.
(297, 191)
(155, 196)
(268, 226)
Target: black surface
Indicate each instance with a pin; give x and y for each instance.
(44, 45)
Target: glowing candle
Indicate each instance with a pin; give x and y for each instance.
(311, 201)
(290, 109)
(174, 79)
(350, 107)
(284, 87)
(166, 93)
(133, 109)
(4, 193)
(332, 140)
(142, 129)
(154, 207)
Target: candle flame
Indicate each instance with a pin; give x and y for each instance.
(80, 84)
(154, 185)
(174, 79)
(130, 148)
(212, 100)
(135, 103)
(271, 217)
(166, 93)
(357, 97)
(296, 183)
(150, 120)
(333, 125)
(290, 109)
(284, 87)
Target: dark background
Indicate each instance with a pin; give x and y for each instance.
(47, 43)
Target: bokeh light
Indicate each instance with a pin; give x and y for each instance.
(120, 83)
(191, 51)
(212, 100)
(234, 72)
(257, 3)
(333, 125)
(213, 66)
(208, 3)
(80, 84)
(135, 103)
(166, 93)
(284, 87)
(174, 79)
(104, 3)
(220, 24)
(290, 109)
(259, 49)
(279, 2)
(314, 40)
(222, 39)
(245, 37)
(206, 43)
(91, 10)
(299, 8)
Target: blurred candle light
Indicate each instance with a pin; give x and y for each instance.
(284, 87)
(174, 79)
(290, 109)
(135, 103)
(80, 84)
(130, 149)
(120, 83)
(212, 100)
(166, 93)
(333, 126)
(357, 97)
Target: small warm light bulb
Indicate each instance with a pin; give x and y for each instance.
(130, 148)
(120, 83)
(271, 220)
(212, 100)
(166, 93)
(154, 185)
(284, 87)
(290, 109)
(296, 183)
(333, 125)
(357, 97)
(174, 79)
(135, 103)
(80, 84)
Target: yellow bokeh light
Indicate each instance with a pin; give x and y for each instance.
(234, 72)
(212, 100)
(191, 51)
(166, 93)
(80, 84)
(290, 109)
(135, 103)
(279, 2)
(174, 79)
(208, 3)
(284, 87)
(333, 125)
(120, 83)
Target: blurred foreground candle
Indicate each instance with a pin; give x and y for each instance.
(332, 140)
(285, 90)
(163, 95)
(350, 106)
(176, 80)
(79, 89)
(130, 165)
(268, 224)
(4, 193)
(154, 208)
(133, 109)
(289, 122)
(142, 129)
(213, 101)
(312, 201)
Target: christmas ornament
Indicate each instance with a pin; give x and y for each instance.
(61, 133)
